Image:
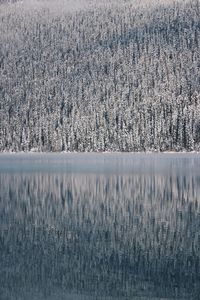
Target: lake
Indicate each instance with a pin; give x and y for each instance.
(99, 226)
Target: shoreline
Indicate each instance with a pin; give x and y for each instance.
(100, 152)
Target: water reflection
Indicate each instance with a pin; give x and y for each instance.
(99, 236)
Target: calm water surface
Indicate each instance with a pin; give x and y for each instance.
(99, 226)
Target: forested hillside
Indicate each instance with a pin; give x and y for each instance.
(117, 77)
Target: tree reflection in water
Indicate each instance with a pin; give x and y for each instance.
(99, 236)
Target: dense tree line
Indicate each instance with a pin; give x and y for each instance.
(110, 78)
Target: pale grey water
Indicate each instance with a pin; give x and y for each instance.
(99, 226)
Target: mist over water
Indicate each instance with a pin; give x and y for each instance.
(104, 232)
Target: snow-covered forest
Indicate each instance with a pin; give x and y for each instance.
(121, 76)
